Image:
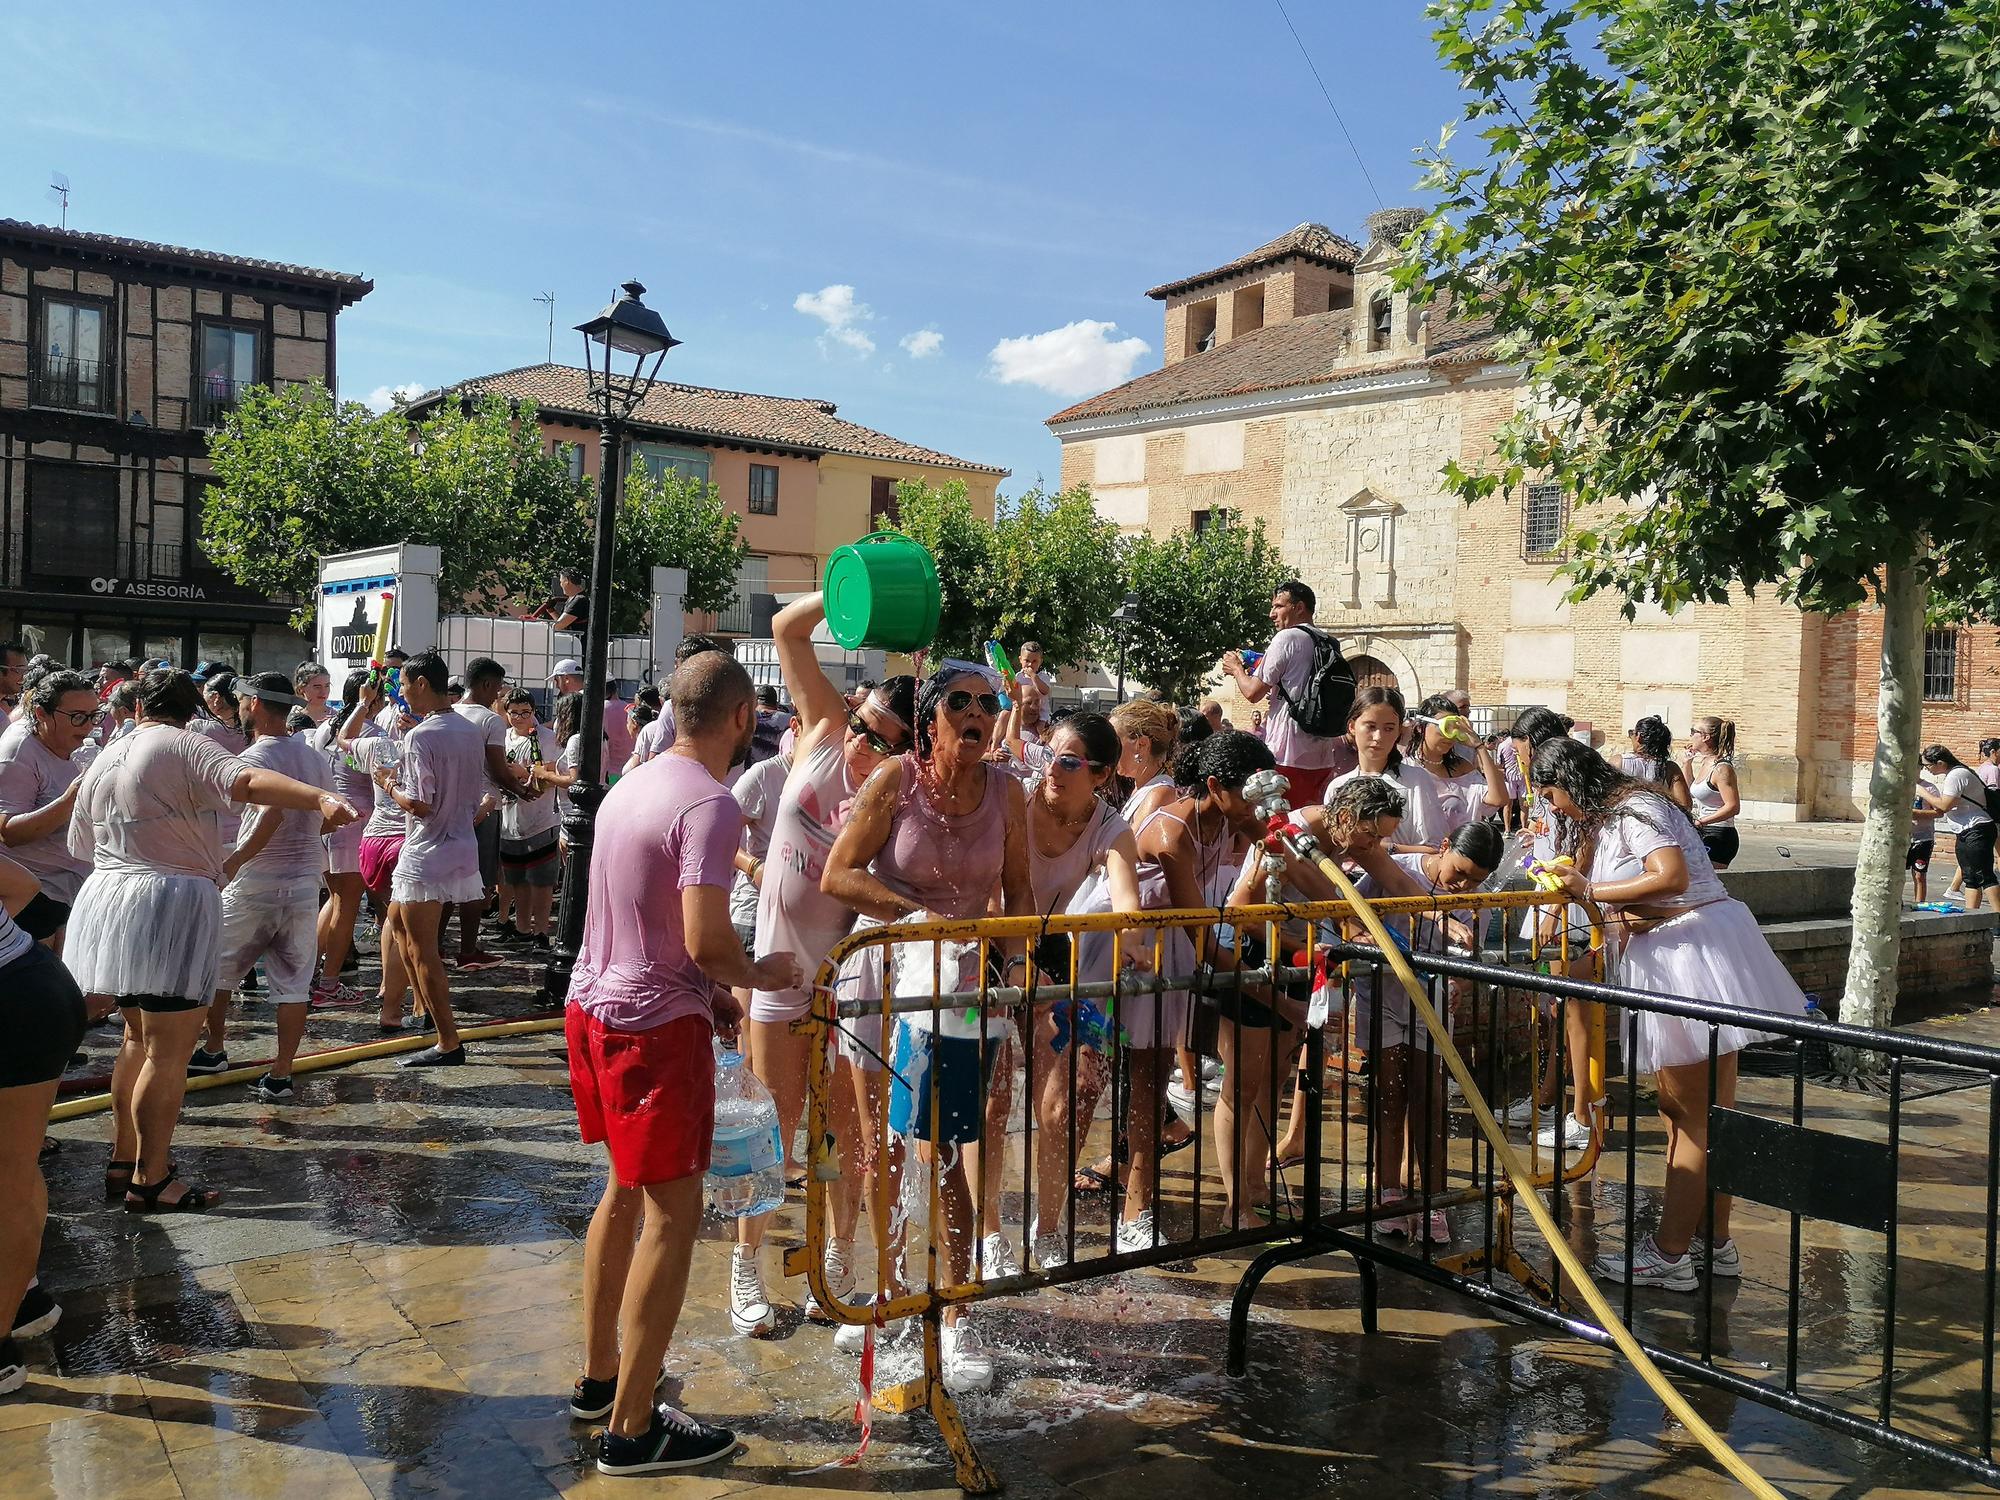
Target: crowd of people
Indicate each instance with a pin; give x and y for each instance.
(168, 836)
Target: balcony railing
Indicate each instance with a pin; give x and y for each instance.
(215, 397)
(72, 384)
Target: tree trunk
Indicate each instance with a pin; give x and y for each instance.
(1885, 832)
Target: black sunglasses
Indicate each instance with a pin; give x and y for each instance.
(874, 741)
(1074, 763)
(958, 702)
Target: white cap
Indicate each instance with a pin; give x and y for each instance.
(569, 666)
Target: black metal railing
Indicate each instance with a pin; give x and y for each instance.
(1836, 1186)
(72, 384)
(215, 398)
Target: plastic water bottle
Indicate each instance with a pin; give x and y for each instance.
(746, 1171)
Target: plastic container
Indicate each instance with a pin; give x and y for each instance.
(882, 594)
(746, 1171)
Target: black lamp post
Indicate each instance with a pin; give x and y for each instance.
(1123, 619)
(626, 327)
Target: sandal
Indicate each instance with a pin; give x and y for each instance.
(50, 1146)
(146, 1200)
(1090, 1180)
(1168, 1148)
(1277, 1213)
(117, 1179)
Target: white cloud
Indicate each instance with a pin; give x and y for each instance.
(1077, 359)
(384, 396)
(922, 344)
(836, 307)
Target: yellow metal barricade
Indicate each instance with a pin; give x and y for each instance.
(999, 1015)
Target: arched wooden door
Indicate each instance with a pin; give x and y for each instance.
(1369, 672)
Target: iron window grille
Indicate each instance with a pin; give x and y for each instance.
(1544, 521)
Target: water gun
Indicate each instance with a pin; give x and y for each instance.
(1457, 727)
(1250, 659)
(996, 658)
(1093, 1026)
(1543, 872)
(380, 674)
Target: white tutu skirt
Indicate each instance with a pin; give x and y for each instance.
(406, 890)
(133, 933)
(1714, 952)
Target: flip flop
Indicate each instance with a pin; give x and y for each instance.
(1168, 1148)
(1090, 1180)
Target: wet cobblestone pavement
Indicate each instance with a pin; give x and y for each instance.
(386, 1304)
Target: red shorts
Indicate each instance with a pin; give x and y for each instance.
(648, 1095)
(1308, 786)
(378, 863)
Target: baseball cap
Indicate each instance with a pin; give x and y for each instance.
(203, 670)
(269, 687)
(569, 666)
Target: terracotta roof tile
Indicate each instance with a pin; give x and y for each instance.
(1302, 351)
(728, 416)
(1312, 241)
(350, 288)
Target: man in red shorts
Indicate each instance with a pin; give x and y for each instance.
(650, 988)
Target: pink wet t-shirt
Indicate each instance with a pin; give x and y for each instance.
(1288, 665)
(154, 802)
(664, 827)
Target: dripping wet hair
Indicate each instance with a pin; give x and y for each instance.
(1600, 791)
(1229, 759)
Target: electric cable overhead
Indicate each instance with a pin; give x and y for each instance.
(1330, 104)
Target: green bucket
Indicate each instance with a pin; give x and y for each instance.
(882, 594)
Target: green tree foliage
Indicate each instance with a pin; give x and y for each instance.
(942, 518)
(1747, 253)
(301, 474)
(673, 522)
(1198, 596)
(1054, 575)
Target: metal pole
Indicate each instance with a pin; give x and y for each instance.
(580, 822)
(1121, 666)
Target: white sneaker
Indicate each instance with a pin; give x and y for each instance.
(849, 1337)
(1180, 1099)
(997, 1258)
(749, 1309)
(1136, 1234)
(1523, 1112)
(839, 1276)
(1051, 1251)
(967, 1365)
(1575, 1134)
(1649, 1268)
(1727, 1261)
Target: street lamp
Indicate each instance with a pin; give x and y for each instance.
(1123, 619)
(630, 328)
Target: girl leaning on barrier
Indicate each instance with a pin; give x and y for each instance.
(1680, 933)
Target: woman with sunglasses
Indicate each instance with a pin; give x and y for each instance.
(38, 780)
(1074, 834)
(1641, 858)
(936, 833)
(833, 754)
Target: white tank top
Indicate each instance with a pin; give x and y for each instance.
(1707, 799)
(793, 915)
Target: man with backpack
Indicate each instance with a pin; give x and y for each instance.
(1310, 687)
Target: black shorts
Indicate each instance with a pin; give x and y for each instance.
(1919, 857)
(488, 833)
(1721, 844)
(160, 1005)
(44, 1014)
(1974, 852)
(43, 917)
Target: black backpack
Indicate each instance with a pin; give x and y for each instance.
(1322, 708)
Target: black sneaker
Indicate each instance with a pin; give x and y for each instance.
(590, 1400)
(14, 1375)
(37, 1314)
(274, 1090)
(674, 1441)
(434, 1056)
(251, 985)
(205, 1061)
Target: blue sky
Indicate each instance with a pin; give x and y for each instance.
(864, 202)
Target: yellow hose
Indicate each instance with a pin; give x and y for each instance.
(1524, 1186)
(93, 1104)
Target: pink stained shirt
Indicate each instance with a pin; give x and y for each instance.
(618, 736)
(444, 765)
(664, 827)
(1288, 665)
